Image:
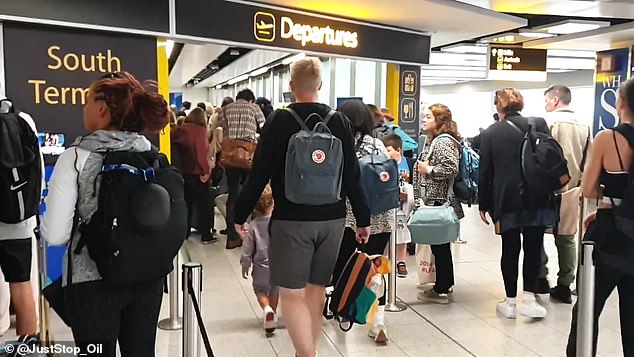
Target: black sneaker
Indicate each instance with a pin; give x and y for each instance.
(29, 340)
(561, 294)
(543, 287)
(401, 270)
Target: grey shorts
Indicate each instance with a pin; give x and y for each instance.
(303, 252)
(262, 282)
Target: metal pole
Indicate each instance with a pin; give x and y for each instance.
(585, 311)
(174, 322)
(45, 330)
(192, 271)
(391, 304)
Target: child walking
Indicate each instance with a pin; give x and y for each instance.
(255, 251)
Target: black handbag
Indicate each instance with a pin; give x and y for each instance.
(614, 249)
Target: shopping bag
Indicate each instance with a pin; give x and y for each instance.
(426, 265)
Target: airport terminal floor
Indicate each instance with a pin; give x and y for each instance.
(467, 327)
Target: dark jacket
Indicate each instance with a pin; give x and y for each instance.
(500, 169)
(269, 164)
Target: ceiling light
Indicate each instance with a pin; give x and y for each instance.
(572, 53)
(471, 74)
(295, 58)
(219, 86)
(259, 71)
(238, 79)
(571, 26)
(458, 59)
(520, 76)
(169, 46)
(571, 63)
(535, 34)
(465, 48)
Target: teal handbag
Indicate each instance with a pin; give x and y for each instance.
(435, 225)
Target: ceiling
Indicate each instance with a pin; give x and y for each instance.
(582, 8)
(447, 21)
(606, 38)
(192, 59)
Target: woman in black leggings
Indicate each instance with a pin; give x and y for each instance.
(611, 161)
(117, 109)
(514, 210)
(381, 224)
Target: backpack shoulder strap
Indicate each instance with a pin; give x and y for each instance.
(329, 116)
(297, 118)
(514, 126)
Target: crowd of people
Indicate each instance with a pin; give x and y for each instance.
(293, 251)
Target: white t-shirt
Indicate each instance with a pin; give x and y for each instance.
(25, 228)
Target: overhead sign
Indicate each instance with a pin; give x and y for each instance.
(409, 99)
(611, 71)
(50, 77)
(507, 58)
(142, 15)
(276, 28)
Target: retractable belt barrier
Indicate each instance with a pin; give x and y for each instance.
(585, 310)
(391, 304)
(43, 307)
(192, 286)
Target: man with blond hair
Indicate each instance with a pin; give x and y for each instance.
(305, 239)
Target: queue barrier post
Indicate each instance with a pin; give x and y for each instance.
(391, 304)
(174, 321)
(585, 311)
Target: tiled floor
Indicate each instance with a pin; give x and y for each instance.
(467, 327)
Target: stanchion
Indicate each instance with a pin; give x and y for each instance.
(391, 304)
(174, 322)
(192, 271)
(44, 309)
(585, 311)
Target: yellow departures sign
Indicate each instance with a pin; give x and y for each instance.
(265, 30)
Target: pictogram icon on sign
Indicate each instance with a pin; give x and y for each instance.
(264, 26)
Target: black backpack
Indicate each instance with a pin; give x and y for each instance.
(141, 220)
(20, 168)
(624, 213)
(544, 166)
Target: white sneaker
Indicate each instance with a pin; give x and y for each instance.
(507, 309)
(531, 308)
(378, 333)
(269, 320)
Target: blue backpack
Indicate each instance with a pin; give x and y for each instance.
(379, 182)
(314, 163)
(466, 183)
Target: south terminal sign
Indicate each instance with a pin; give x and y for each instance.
(281, 29)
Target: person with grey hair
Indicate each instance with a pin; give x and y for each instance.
(575, 139)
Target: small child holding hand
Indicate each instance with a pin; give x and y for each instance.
(255, 251)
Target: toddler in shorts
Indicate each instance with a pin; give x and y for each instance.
(255, 252)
